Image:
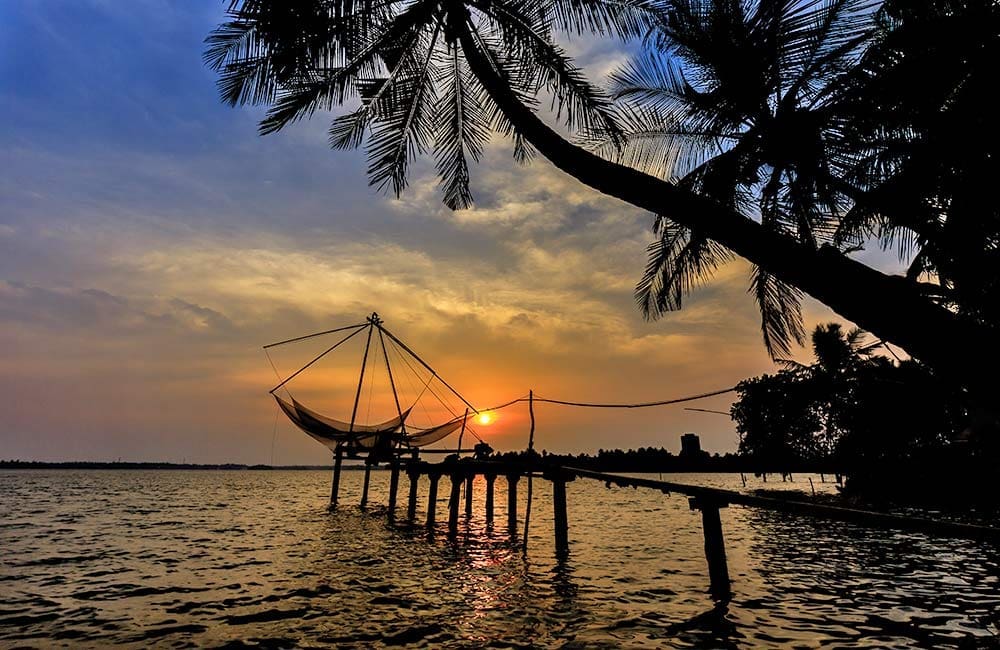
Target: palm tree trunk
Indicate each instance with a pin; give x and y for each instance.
(890, 307)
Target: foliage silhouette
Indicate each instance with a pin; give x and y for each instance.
(850, 409)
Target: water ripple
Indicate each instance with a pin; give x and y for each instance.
(144, 559)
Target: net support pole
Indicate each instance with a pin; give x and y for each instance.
(715, 546)
(490, 480)
(361, 379)
(338, 459)
(392, 382)
(432, 499)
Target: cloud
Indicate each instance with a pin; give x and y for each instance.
(152, 243)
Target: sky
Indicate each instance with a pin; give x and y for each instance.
(151, 243)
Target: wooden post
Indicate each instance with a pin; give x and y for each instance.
(432, 498)
(559, 515)
(531, 469)
(490, 479)
(512, 480)
(393, 486)
(411, 504)
(456, 493)
(468, 496)
(461, 434)
(364, 490)
(715, 546)
(338, 458)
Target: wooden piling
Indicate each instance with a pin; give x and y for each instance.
(338, 459)
(456, 487)
(490, 480)
(560, 519)
(531, 448)
(715, 546)
(432, 498)
(411, 503)
(468, 496)
(364, 490)
(393, 487)
(512, 480)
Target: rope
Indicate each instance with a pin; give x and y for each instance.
(402, 356)
(707, 411)
(408, 381)
(276, 373)
(677, 400)
(510, 403)
(427, 387)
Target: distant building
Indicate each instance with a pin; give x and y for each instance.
(691, 446)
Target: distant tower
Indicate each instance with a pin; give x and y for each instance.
(690, 446)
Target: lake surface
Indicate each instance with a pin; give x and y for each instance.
(253, 559)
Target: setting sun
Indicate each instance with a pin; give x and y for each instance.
(484, 419)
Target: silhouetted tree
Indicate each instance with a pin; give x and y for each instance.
(777, 420)
(849, 407)
(439, 75)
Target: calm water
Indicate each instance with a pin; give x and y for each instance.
(247, 559)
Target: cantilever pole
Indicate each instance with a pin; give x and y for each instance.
(361, 379)
(323, 354)
(424, 364)
(310, 336)
(392, 382)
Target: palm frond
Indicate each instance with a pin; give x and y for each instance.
(525, 37)
(407, 129)
(780, 312)
(678, 261)
(624, 19)
(462, 129)
(324, 89)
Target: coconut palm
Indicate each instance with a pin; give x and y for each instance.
(837, 376)
(932, 148)
(439, 75)
(742, 103)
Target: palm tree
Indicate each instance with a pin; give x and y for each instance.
(440, 74)
(933, 148)
(741, 104)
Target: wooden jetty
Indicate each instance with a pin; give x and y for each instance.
(708, 501)
(399, 444)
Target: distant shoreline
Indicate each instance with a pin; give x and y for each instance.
(677, 466)
(31, 464)
(128, 465)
